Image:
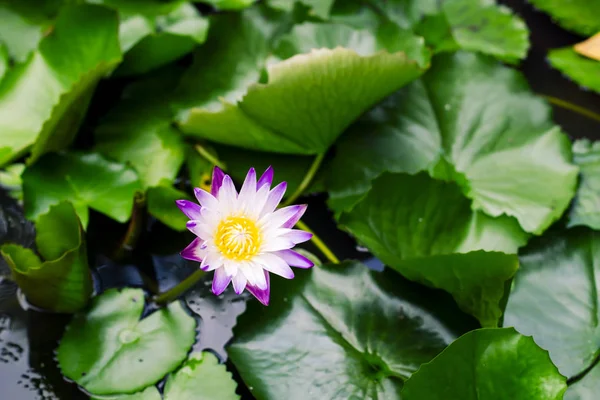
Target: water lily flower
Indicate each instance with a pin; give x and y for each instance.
(243, 237)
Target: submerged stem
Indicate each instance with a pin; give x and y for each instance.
(177, 290)
(135, 227)
(310, 174)
(572, 107)
(319, 243)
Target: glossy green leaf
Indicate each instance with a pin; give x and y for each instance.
(87, 180)
(491, 364)
(151, 393)
(229, 4)
(109, 350)
(62, 281)
(201, 378)
(10, 179)
(555, 297)
(60, 76)
(145, 7)
(318, 8)
(281, 115)
(580, 16)
(161, 205)
(584, 71)
(19, 34)
(425, 229)
(586, 207)
(341, 332)
(477, 118)
(476, 25)
(4, 60)
(161, 40)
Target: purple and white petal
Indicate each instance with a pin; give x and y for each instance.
(206, 199)
(220, 281)
(261, 295)
(295, 259)
(194, 251)
(211, 261)
(239, 283)
(199, 229)
(217, 181)
(296, 217)
(272, 263)
(266, 178)
(279, 217)
(274, 198)
(190, 209)
(297, 236)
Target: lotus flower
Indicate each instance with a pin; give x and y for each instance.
(244, 237)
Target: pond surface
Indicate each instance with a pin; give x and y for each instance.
(28, 338)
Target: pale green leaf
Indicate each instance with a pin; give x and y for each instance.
(586, 207)
(583, 71)
(580, 16)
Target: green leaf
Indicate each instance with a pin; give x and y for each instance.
(586, 207)
(110, 342)
(60, 76)
(582, 70)
(4, 61)
(10, 179)
(19, 34)
(229, 4)
(555, 297)
(491, 364)
(199, 167)
(425, 230)
(480, 119)
(151, 393)
(317, 8)
(477, 25)
(579, 16)
(161, 205)
(169, 38)
(62, 282)
(87, 180)
(201, 378)
(145, 7)
(281, 115)
(341, 332)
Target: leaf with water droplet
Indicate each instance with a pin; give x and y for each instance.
(108, 350)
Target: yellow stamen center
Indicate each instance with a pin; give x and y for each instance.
(238, 238)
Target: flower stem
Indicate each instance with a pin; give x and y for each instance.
(177, 290)
(319, 243)
(572, 107)
(209, 157)
(135, 227)
(310, 174)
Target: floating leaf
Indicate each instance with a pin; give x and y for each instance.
(60, 76)
(201, 378)
(87, 180)
(475, 117)
(477, 25)
(425, 229)
(580, 16)
(10, 179)
(318, 8)
(161, 205)
(555, 298)
(584, 71)
(4, 61)
(586, 207)
(62, 281)
(491, 364)
(151, 393)
(340, 332)
(281, 115)
(230, 4)
(161, 40)
(145, 7)
(109, 350)
(19, 33)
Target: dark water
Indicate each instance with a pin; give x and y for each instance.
(28, 338)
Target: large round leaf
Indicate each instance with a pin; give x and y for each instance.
(580, 16)
(108, 350)
(328, 76)
(341, 332)
(586, 207)
(472, 121)
(201, 378)
(555, 298)
(426, 230)
(490, 364)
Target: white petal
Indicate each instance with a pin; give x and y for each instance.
(200, 229)
(248, 190)
(239, 283)
(227, 196)
(276, 265)
(212, 261)
(274, 198)
(276, 244)
(279, 217)
(206, 199)
(220, 281)
(253, 209)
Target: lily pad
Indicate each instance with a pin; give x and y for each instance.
(280, 115)
(170, 37)
(20, 33)
(145, 7)
(161, 205)
(555, 297)
(108, 350)
(494, 364)
(339, 332)
(579, 16)
(87, 180)
(62, 281)
(473, 116)
(151, 393)
(583, 71)
(201, 378)
(586, 207)
(4, 60)
(62, 85)
(229, 4)
(317, 8)
(426, 230)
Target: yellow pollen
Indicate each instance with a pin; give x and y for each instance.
(238, 238)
